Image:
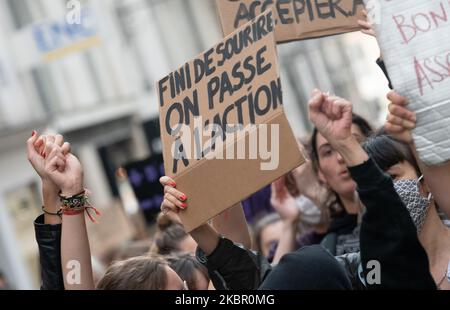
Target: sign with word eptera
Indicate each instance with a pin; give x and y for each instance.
(295, 19)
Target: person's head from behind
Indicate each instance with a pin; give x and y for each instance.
(329, 164)
(397, 160)
(141, 273)
(267, 231)
(172, 238)
(189, 270)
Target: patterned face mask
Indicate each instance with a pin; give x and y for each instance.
(417, 205)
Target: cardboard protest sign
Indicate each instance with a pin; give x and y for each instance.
(414, 36)
(222, 124)
(295, 19)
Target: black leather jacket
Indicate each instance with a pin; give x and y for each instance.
(232, 267)
(48, 238)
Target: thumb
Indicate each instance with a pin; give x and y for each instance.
(315, 106)
(316, 99)
(30, 144)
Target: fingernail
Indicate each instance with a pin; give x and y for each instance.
(408, 124)
(183, 206)
(173, 184)
(183, 197)
(33, 133)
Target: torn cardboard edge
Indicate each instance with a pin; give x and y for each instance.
(225, 12)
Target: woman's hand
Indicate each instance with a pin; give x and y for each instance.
(400, 121)
(283, 202)
(332, 117)
(63, 170)
(366, 26)
(36, 149)
(174, 200)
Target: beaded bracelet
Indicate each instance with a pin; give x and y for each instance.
(74, 202)
(77, 204)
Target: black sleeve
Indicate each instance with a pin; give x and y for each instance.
(232, 267)
(388, 234)
(48, 238)
(380, 63)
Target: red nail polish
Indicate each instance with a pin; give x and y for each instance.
(183, 197)
(173, 184)
(183, 205)
(33, 133)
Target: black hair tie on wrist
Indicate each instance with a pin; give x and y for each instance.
(59, 213)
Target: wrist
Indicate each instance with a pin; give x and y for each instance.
(289, 226)
(345, 143)
(290, 219)
(351, 151)
(72, 190)
(50, 196)
(49, 188)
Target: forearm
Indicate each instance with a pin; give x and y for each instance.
(351, 151)
(51, 203)
(438, 180)
(76, 254)
(232, 225)
(287, 241)
(206, 237)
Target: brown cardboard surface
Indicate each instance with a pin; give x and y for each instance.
(213, 185)
(218, 184)
(295, 19)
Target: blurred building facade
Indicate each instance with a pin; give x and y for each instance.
(94, 83)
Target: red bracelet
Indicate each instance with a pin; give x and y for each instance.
(72, 212)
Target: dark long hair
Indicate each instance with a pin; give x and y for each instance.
(335, 206)
(387, 152)
(185, 265)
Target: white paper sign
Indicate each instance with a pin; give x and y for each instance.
(414, 36)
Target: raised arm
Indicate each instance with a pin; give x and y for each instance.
(230, 265)
(399, 124)
(286, 206)
(230, 223)
(67, 173)
(35, 151)
(388, 236)
(47, 226)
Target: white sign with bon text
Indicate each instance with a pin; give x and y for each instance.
(414, 36)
